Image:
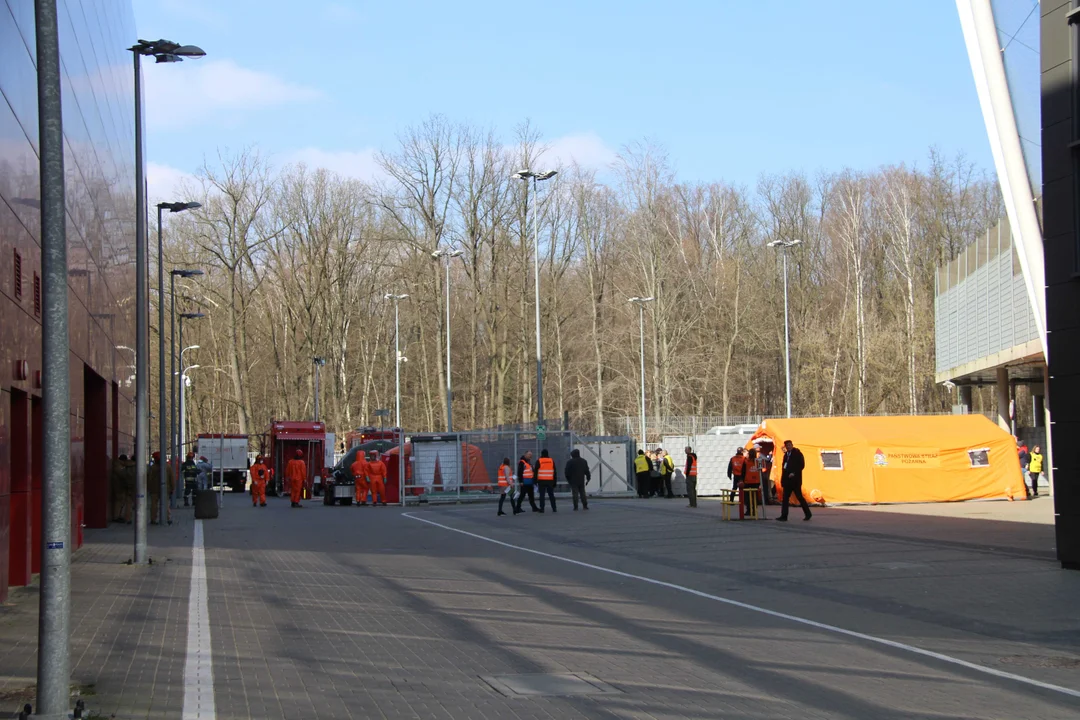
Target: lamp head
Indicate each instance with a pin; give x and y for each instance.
(192, 316)
(547, 174)
(523, 175)
(186, 273)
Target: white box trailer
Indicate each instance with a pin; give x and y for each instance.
(228, 454)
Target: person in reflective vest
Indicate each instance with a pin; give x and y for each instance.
(296, 476)
(358, 470)
(751, 476)
(376, 474)
(528, 486)
(736, 467)
(642, 470)
(259, 477)
(546, 478)
(691, 476)
(506, 485)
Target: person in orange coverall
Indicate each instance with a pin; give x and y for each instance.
(259, 476)
(376, 472)
(359, 472)
(296, 476)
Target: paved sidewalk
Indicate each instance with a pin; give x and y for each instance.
(346, 612)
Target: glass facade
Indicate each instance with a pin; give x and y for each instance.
(1017, 24)
(99, 134)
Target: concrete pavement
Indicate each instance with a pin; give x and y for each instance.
(371, 612)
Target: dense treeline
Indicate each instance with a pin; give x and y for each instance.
(297, 263)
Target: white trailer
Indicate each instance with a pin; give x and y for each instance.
(228, 454)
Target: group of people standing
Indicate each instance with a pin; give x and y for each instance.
(369, 474)
(653, 470)
(1031, 467)
(528, 477)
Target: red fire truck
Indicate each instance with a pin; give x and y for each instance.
(280, 444)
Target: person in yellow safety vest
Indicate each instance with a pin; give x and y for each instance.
(546, 478)
(691, 476)
(528, 487)
(1035, 466)
(642, 469)
(506, 485)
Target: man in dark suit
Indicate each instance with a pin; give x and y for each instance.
(791, 480)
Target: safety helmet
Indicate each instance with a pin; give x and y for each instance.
(191, 456)
(299, 453)
(157, 455)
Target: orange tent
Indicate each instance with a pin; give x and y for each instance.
(893, 459)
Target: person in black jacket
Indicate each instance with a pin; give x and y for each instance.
(791, 480)
(577, 474)
(526, 474)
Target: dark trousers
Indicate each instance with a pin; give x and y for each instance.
(691, 490)
(1034, 483)
(665, 487)
(644, 482)
(577, 490)
(527, 489)
(189, 489)
(547, 488)
(797, 490)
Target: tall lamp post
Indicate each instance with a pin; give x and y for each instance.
(448, 254)
(319, 362)
(161, 51)
(180, 342)
(398, 359)
(525, 176)
(784, 246)
(185, 381)
(640, 302)
(163, 416)
(174, 435)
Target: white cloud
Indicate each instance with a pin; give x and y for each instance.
(358, 164)
(181, 94)
(168, 184)
(586, 149)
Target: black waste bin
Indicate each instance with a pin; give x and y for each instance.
(206, 504)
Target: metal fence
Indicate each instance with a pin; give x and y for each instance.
(461, 467)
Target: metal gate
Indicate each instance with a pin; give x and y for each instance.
(461, 467)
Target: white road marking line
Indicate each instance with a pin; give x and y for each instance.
(773, 613)
(199, 663)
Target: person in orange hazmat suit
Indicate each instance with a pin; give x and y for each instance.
(359, 473)
(376, 472)
(296, 476)
(260, 475)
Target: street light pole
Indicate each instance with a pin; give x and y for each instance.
(448, 254)
(184, 380)
(319, 362)
(174, 434)
(398, 359)
(525, 175)
(180, 337)
(54, 614)
(161, 51)
(784, 246)
(640, 302)
(163, 416)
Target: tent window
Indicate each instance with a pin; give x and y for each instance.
(980, 457)
(832, 459)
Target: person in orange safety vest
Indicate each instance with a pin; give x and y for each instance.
(546, 478)
(259, 477)
(296, 476)
(691, 476)
(376, 472)
(506, 484)
(359, 473)
(751, 476)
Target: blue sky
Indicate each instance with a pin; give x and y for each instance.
(732, 89)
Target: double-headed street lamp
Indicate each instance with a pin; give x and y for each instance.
(525, 176)
(640, 302)
(784, 246)
(174, 435)
(448, 254)
(319, 362)
(163, 429)
(398, 359)
(162, 51)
